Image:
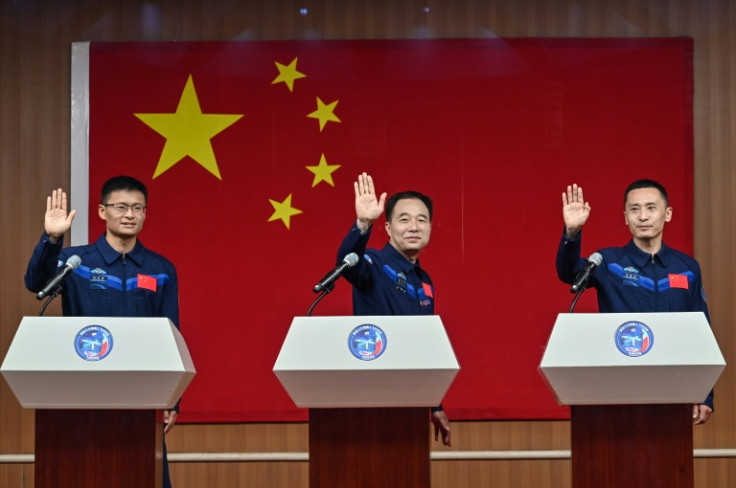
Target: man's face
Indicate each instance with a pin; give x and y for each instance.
(410, 227)
(646, 212)
(127, 223)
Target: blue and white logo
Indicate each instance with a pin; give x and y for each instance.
(367, 342)
(93, 343)
(634, 339)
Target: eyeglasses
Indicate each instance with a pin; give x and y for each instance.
(122, 208)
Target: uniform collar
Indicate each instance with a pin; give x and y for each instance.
(641, 258)
(399, 259)
(110, 255)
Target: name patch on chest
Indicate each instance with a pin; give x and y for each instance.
(630, 276)
(98, 279)
(400, 281)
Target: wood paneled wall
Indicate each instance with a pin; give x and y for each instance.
(35, 37)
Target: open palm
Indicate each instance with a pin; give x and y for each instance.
(575, 210)
(57, 221)
(368, 207)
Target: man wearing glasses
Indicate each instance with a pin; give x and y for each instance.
(117, 277)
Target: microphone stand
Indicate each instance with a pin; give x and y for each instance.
(51, 296)
(577, 296)
(327, 289)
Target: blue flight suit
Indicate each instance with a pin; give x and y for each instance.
(632, 280)
(109, 284)
(106, 283)
(384, 281)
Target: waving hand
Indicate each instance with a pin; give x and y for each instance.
(368, 207)
(57, 221)
(575, 210)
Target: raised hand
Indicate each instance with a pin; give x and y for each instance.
(57, 221)
(575, 210)
(368, 207)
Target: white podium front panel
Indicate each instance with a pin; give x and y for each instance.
(147, 363)
(596, 359)
(318, 367)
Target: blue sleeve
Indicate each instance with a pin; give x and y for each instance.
(569, 261)
(701, 305)
(709, 401)
(170, 305)
(43, 264)
(699, 301)
(171, 308)
(359, 275)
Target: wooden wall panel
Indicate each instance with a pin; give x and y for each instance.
(16, 475)
(34, 158)
(519, 474)
(263, 474)
(262, 437)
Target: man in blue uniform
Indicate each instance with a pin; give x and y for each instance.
(390, 281)
(118, 276)
(643, 276)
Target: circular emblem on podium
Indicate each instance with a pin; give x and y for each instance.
(367, 342)
(634, 339)
(93, 343)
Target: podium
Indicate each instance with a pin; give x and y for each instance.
(97, 383)
(631, 380)
(369, 382)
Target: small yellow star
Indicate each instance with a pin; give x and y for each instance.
(188, 132)
(287, 74)
(323, 172)
(283, 210)
(325, 113)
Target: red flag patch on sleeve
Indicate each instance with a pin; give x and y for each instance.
(678, 281)
(147, 282)
(427, 289)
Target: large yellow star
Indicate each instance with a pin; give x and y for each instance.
(188, 132)
(323, 172)
(287, 74)
(283, 210)
(325, 113)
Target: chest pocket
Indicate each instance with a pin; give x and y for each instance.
(677, 300)
(141, 307)
(676, 291)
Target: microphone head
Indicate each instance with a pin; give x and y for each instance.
(596, 258)
(74, 261)
(351, 259)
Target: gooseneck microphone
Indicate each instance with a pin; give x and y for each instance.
(326, 283)
(71, 264)
(581, 280)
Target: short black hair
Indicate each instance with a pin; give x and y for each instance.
(638, 184)
(117, 183)
(407, 195)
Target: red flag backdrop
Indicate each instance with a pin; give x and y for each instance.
(249, 150)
